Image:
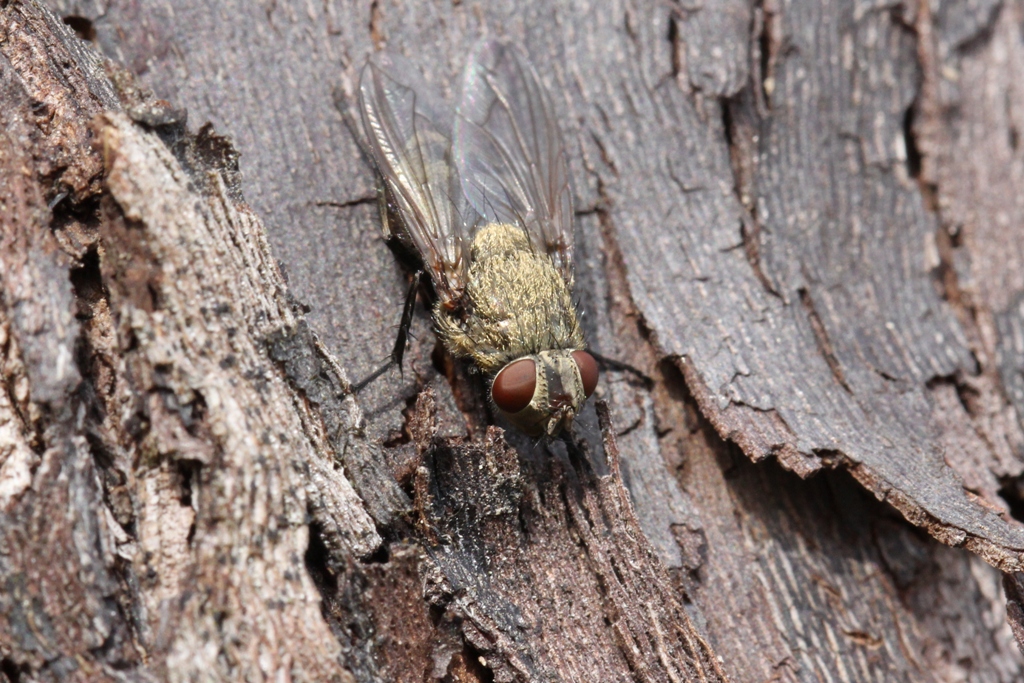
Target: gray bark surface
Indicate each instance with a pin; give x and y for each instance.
(801, 220)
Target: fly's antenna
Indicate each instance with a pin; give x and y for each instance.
(401, 340)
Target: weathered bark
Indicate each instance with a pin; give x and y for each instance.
(800, 219)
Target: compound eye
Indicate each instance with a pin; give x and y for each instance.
(588, 370)
(514, 386)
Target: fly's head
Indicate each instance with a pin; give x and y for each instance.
(542, 394)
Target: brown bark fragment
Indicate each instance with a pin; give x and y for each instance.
(522, 556)
(216, 406)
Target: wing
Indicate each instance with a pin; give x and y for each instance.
(509, 151)
(410, 141)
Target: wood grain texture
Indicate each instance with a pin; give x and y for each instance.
(59, 579)
(966, 125)
(170, 446)
(833, 195)
(772, 225)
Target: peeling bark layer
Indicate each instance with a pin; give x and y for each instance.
(163, 446)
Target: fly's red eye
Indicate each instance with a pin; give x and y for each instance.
(514, 386)
(588, 370)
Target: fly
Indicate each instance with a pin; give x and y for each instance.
(486, 202)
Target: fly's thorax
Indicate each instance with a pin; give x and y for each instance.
(560, 380)
(499, 239)
(515, 304)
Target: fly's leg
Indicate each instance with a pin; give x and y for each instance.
(401, 341)
(612, 364)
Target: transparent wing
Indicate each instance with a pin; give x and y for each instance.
(410, 141)
(509, 151)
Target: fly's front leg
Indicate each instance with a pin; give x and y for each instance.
(612, 364)
(401, 341)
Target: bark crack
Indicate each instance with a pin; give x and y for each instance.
(821, 338)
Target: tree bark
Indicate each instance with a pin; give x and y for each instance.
(800, 219)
